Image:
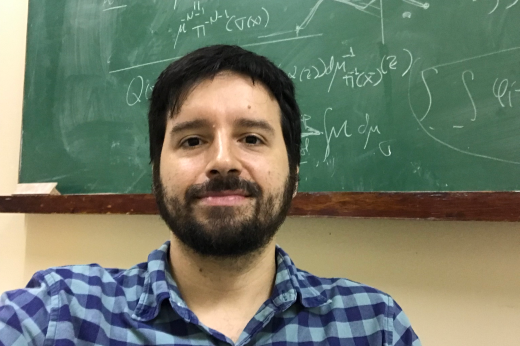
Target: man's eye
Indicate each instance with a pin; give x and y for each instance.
(252, 140)
(191, 142)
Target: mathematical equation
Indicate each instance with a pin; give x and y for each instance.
(506, 92)
(197, 21)
(334, 137)
(347, 70)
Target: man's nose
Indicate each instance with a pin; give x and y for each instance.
(223, 157)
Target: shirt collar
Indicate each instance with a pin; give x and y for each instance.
(158, 286)
(290, 285)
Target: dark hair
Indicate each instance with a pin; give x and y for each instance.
(176, 81)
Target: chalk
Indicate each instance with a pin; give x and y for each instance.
(37, 189)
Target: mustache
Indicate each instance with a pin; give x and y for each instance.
(223, 183)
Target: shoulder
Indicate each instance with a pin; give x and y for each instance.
(83, 286)
(339, 293)
(344, 290)
(60, 294)
(354, 300)
(89, 278)
(88, 286)
(354, 303)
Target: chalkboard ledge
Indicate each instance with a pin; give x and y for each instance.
(460, 206)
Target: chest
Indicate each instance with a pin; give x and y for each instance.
(291, 327)
(232, 328)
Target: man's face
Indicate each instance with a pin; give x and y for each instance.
(224, 186)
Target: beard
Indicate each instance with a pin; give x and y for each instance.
(225, 231)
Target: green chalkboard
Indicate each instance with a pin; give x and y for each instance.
(396, 95)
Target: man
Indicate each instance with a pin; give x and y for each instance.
(225, 149)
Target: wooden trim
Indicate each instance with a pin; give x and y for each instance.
(461, 206)
(143, 204)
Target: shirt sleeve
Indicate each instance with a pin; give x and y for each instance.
(25, 313)
(403, 334)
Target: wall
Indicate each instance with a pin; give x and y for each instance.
(458, 281)
(12, 232)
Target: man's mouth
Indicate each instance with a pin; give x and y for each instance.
(224, 198)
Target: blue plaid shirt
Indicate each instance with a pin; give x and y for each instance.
(91, 305)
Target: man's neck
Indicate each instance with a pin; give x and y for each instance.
(223, 293)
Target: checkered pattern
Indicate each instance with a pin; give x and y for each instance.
(91, 305)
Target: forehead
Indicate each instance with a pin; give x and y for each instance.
(229, 95)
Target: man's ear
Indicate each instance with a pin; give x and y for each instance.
(297, 181)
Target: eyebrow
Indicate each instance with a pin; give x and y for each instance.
(250, 123)
(241, 122)
(190, 125)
